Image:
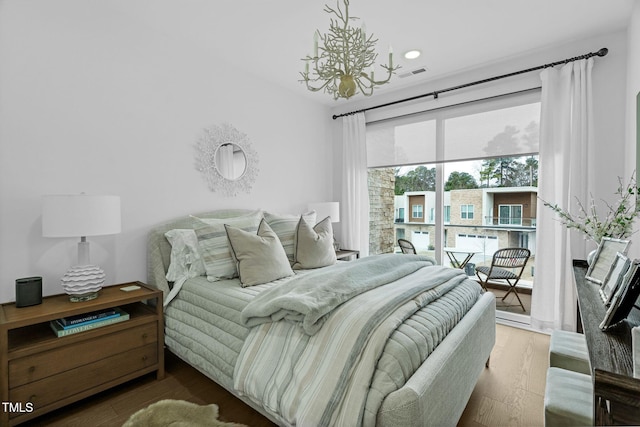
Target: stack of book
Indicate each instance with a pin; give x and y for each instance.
(87, 321)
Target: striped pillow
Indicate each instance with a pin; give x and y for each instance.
(214, 244)
(285, 228)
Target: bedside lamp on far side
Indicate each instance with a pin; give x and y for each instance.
(81, 215)
(325, 209)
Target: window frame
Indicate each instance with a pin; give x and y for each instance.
(467, 213)
(446, 214)
(421, 211)
(511, 216)
(438, 154)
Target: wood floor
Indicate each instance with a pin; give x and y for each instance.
(511, 304)
(509, 393)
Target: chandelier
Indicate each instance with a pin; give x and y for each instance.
(343, 62)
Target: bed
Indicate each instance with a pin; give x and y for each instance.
(296, 362)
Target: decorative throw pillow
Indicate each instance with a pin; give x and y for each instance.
(185, 257)
(285, 227)
(314, 246)
(260, 256)
(213, 244)
(230, 215)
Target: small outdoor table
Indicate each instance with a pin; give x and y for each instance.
(453, 254)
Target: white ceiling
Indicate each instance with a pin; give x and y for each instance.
(271, 37)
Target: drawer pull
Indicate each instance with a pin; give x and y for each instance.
(144, 358)
(144, 336)
(32, 398)
(32, 369)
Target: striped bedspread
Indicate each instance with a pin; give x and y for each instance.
(309, 299)
(323, 378)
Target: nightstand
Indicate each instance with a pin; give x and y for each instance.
(41, 372)
(347, 254)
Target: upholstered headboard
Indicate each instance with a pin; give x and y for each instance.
(159, 249)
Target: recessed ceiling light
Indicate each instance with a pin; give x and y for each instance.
(412, 54)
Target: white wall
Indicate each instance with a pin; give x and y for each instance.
(609, 92)
(633, 88)
(93, 101)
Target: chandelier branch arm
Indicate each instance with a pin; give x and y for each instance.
(327, 85)
(343, 16)
(312, 88)
(367, 90)
(341, 62)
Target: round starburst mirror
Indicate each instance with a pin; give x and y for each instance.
(227, 161)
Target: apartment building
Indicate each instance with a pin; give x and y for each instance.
(480, 220)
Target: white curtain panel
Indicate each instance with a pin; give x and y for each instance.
(355, 190)
(565, 141)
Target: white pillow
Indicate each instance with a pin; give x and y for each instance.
(260, 256)
(213, 244)
(314, 246)
(285, 225)
(185, 258)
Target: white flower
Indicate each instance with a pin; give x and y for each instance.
(618, 222)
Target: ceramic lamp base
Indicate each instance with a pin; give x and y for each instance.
(83, 297)
(82, 282)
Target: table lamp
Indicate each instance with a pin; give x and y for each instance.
(81, 215)
(325, 209)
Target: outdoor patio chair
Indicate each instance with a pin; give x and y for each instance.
(406, 246)
(506, 264)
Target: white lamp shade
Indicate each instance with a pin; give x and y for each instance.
(79, 215)
(325, 209)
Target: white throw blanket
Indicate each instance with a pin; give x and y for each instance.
(323, 379)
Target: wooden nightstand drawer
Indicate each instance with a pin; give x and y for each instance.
(46, 372)
(60, 386)
(32, 368)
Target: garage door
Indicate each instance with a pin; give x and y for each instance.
(420, 240)
(486, 245)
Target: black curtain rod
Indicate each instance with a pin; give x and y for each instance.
(601, 52)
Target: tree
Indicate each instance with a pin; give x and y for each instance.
(418, 179)
(527, 173)
(509, 172)
(486, 171)
(502, 171)
(460, 180)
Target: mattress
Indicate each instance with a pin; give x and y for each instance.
(415, 339)
(203, 326)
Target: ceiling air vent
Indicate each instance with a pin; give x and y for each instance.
(413, 72)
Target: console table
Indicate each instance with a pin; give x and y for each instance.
(616, 393)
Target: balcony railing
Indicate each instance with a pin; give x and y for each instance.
(509, 221)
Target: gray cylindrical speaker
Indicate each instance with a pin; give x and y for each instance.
(28, 291)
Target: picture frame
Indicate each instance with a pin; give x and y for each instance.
(604, 258)
(614, 278)
(624, 298)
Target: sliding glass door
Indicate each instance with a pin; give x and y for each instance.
(465, 180)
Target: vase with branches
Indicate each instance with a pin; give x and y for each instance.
(616, 223)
